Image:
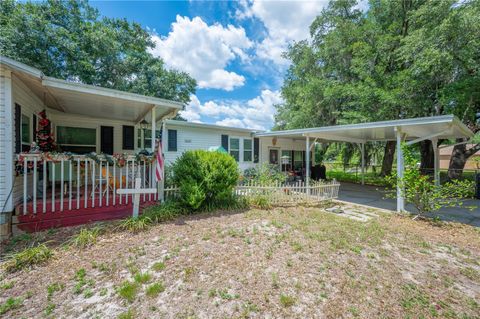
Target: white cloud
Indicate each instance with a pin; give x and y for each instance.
(204, 51)
(257, 113)
(285, 21)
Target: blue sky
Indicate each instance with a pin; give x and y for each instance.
(232, 49)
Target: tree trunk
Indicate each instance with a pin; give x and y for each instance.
(387, 161)
(427, 159)
(459, 157)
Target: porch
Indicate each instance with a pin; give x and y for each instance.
(64, 190)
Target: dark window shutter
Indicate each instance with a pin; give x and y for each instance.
(18, 137)
(256, 150)
(34, 133)
(128, 137)
(172, 140)
(225, 142)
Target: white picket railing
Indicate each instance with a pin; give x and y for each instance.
(83, 182)
(290, 193)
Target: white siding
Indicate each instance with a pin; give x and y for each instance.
(196, 138)
(29, 104)
(6, 145)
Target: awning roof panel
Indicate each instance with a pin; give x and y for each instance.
(447, 126)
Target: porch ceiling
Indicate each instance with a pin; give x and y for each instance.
(447, 126)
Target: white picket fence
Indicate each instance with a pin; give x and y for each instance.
(68, 183)
(291, 193)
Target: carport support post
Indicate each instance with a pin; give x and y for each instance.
(362, 151)
(307, 164)
(400, 169)
(436, 162)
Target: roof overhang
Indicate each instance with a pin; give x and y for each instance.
(210, 126)
(441, 127)
(90, 100)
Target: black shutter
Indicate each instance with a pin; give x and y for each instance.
(34, 128)
(256, 150)
(128, 137)
(18, 136)
(106, 139)
(304, 160)
(225, 142)
(172, 140)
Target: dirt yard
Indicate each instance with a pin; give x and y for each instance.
(280, 263)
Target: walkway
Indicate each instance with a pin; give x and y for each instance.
(374, 196)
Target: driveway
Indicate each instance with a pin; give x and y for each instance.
(374, 196)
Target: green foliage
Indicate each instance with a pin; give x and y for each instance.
(165, 211)
(206, 179)
(264, 174)
(420, 190)
(86, 237)
(287, 301)
(260, 201)
(135, 224)
(154, 289)
(129, 314)
(70, 40)
(158, 266)
(28, 257)
(142, 278)
(128, 290)
(9, 304)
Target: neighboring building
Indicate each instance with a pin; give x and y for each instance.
(446, 153)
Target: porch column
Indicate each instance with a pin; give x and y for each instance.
(436, 162)
(161, 186)
(400, 169)
(154, 127)
(362, 151)
(307, 163)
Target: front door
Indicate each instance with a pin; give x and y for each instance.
(273, 156)
(106, 139)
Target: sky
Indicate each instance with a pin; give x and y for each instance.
(232, 49)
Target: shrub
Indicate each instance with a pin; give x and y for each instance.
(205, 178)
(264, 174)
(28, 257)
(420, 191)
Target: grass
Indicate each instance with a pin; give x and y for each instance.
(142, 278)
(154, 289)
(86, 237)
(10, 304)
(128, 290)
(287, 301)
(7, 285)
(129, 314)
(52, 288)
(135, 224)
(158, 266)
(28, 257)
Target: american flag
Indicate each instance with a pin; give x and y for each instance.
(159, 163)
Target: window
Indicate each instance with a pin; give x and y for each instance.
(235, 148)
(298, 160)
(247, 150)
(25, 131)
(79, 140)
(172, 140)
(147, 138)
(128, 138)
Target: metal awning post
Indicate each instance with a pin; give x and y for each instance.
(436, 162)
(400, 170)
(362, 151)
(307, 163)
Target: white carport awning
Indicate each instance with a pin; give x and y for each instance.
(440, 127)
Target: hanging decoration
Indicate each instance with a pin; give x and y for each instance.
(43, 136)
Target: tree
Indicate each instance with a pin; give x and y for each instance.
(70, 40)
(400, 59)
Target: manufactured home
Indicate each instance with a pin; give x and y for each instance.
(40, 189)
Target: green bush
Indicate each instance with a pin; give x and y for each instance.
(164, 212)
(206, 179)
